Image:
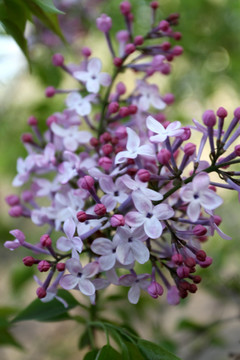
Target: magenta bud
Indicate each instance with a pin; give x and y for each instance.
(177, 259)
(166, 45)
(60, 266)
(41, 293)
(100, 209)
(132, 109)
(154, 5)
(163, 25)
(124, 111)
(201, 255)
(222, 113)
(129, 49)
(113, 107)
(192, 288)
(58, 60)
(29, 261)
(122, 36)
(50, 91)
(121, 132)
(51, 119)
(107, 149)
(12, 200)
(169, 98)
(143, 175)
(32, 121)
(187, 133)
(138, 40)
(18, 234)
(155, 289)
(94, 142)
(164, 156)
(27, 195)
(177, 50)
(15, 211)
(237, 113)
(117, 61)
(104, 23)
(183, 271)
(190, 262)
(43, 266)
(237, 150)
(121, 88)
(217, 219)
(199, 230)
(117, 220)
(177, 35)
(165, 69)
(105, 163)
(81, 216)
(125, 7)
(209, 118)
(207, 262)
(86, 183)
(189, 149)
(27, 138)
(45, 240)
(105, 137)
(86, 51)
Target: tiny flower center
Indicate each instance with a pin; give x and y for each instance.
(130, 240)
(116, 193)
(149, 215)
(79, 274)
(195, 196)
(113, 251)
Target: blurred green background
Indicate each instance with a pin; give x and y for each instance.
(206, 76)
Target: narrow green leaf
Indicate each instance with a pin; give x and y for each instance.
(91, 355)
(48, 6)
(151, 351)
(107, 353)
(16, 12)
(133, 351)
(20, 276)
(6, 338)
(84, 340)
(50, 311)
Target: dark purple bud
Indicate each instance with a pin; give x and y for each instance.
(15, 211)
(237, 113)
(117, 61)
(222, 113)
(121, 88)
(86, 183)
(44, 266)
(32, 121)
(60, 266)
(81, 216)
(154, 5)
(199, 230)
(50, 91)
(155, 289)
(113, 107)
(100, 209)
(105, 163)
(27, 138)
(138, 40)
(125, 7)
(107, 149)
(237, 150)
(164, 156)
(201, 255)
(12, 200)
(209, 118)
(45, 240)
(41, 293)
(163, 25)
(189, 149)
(29, 261)
(86, 51)
(144, 175)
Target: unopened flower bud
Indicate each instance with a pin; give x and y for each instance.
(117, 220)
(192, 288)
(27, 138)
(155, 289)
(217, 219)
(177, 50)
(94, 142)
(29, 261)
(44, 266)
(163, 25)
(237, 150)
(50, 120)
(197, 279)
(86, 51)
(207, 262)
(15, 211)
(123, 111)
(132, 109)
(121, 132)
(144, 175)
(107, 149)
(129, 49)
(104, 23)
(60, 266)
(45, 240)
(237, 113)
(58, 60)
(154, 5)
(169, 98)
(50, 91)
(209, 118)
(12, 200)
(113, 107)
(100, 209)
(105, 163)
(81, 216)
(190, 262)
(177, 35)
(199, 230)
(177, 259)
(105, 137)
(138, 40)
(32, 121)
(86, 183)
(183, 271)
(41, 293)
(222, 113)
(189, 149)
(121, 88)
(125, 7)
(117, 61)
(164, 156)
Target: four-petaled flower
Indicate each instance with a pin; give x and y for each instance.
(70, 242)
(197, 194)
(173, 129)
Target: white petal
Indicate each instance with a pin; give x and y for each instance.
(210, 200)
(140, 251)
(154, 125)
(81, 75)
(90, 269)
(64, 244)
(86, 287)
(142, 203)
(122, 156)
(146, 150)
(200, 182)
(193, 210)
(93, 86)
(153, 227)
(105, 79)
(102, 246)
(107, 184)
(133, 140)
(94, 66)
(134, 218)
(68, 281)
(69, 228)
(151, 194)
(107, 262)
(134, 294)
(157, 102)
(74, 266)
(163, 211)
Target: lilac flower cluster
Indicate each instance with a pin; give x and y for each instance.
(131, 189)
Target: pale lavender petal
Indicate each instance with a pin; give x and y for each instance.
(81, 75)
(200, 182)
(146, 150)
(68, 281)
(64, 244)
(127, 280)
(107, 262)
(173, 297)
(134, 218)
(154, 125)
(158, 138)
(102, 246)
(107, 184)
(77, 244)
(84, 137)
(73, 99)
(193, 210)
(153, 227)
(140, 251)
(133, 140)
(94, 66)
(124, 254)
(12, 245)
(90, 269)
(18, 234)
(70, 143)
(74, 266)
(151, 194)
(163, 211)
(186, 193)
(221, 233)
(109, 201)
(157, 102)
(105, 79)
(58, 130)
(210, 200)
(134, 294)
(142, 204)
(69, 228)
(143, 103)
(93, 86)
(122, 156)
(83, 108)
(86, 287)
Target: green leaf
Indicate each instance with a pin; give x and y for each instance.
(50, 311)
(84, 340)
(133, 351)
(48, 6)
(19, 276)
(6, 338)
(107, 353)
(16, 12)
(91, 355)
(50, 20)
(151, 351)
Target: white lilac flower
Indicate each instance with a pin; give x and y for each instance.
(93, 77)
(24, 168)
(149, 96)
(107, 249)
(130, 245)
(82, 105)
(173, 129)
(133, 148)
(147, 215)
(197, 194)
(136, 283)
(137, 184)
(72, 137)
(115, 192)
(70, 242)
(79, 276)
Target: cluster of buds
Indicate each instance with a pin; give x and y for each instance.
(123, 194)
